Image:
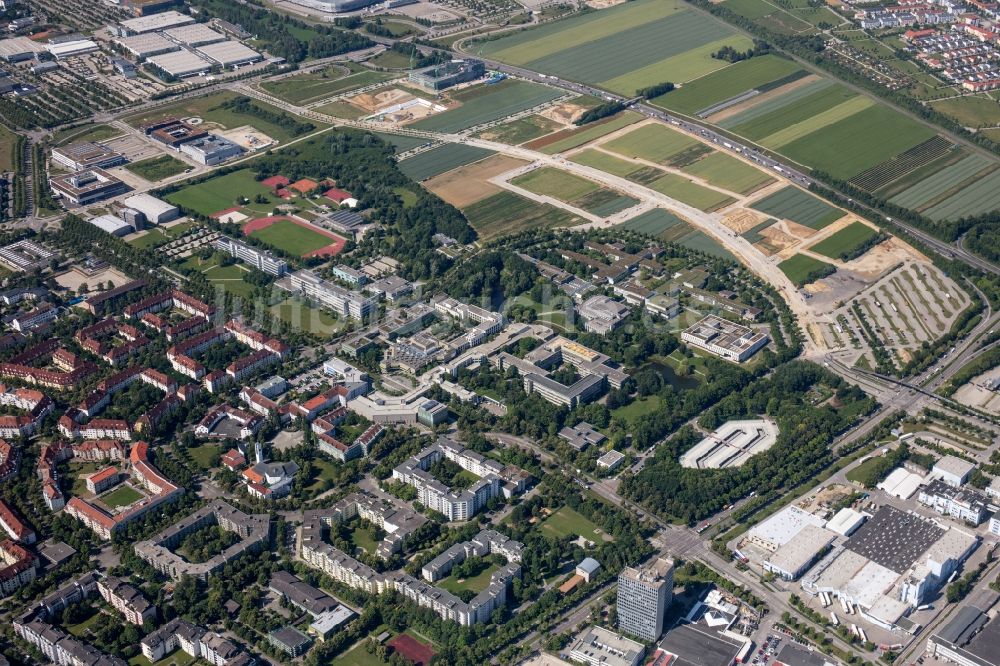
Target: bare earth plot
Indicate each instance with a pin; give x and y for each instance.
(466, 185)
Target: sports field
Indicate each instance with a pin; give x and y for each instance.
(686, 191)
(801, 269)
(509, 213)
(799, 206)
(438, 160)
(486, 103)
(622, 48)
(844, 241)
(295, 238)
(729, 173)
(222, 192)
(653, 142)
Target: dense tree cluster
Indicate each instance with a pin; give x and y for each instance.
(600, 111)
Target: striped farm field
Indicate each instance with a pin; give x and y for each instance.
(656, 143)
(791, 112)
(726, 83)
(571, 138)
(799, 206)
(765, 108)
(484, 104)
(554, 183)
(441, 159)
(690, 193)
(847, 239)
(980, 197)
(669, 228)
(653, 222)
(622, 48)
(509, 213)
(605, 162)
(729, 173)
(934, 186)
(817, 122)
(858, 142)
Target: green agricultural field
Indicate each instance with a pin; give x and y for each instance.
(858, 142)
(220, 193)
(942, 182)
(622, 48)
(604, 162)
(970, 111)
(157, 168)
(980, 197)
(781, 112)
(799, 267)
(341, 109)
(654, 222)
(561, 185)
(209, 109)
(729, 173)
(507, 213)
(726, 83)
(604, 202)
(401, 142)
(763, 110)
(847, 239)
(653, 142)
(568, 139)
(799, 206)
(292, 238)
(686, 191)
(492, 102)
(567, 522)
(817, 122)
(521, 130)
(437, 161)
(123, 495)
(312, 86)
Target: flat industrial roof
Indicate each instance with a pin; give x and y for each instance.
(152, 42)
(894, 538)
(159, 21)
(694, 646)
(180, 63)
(194, 34)
(792, 654)
(14, 46)
(228, 52)
(780, 528)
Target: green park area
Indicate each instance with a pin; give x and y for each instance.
(568, 522)
(222, 192)
(157, 168)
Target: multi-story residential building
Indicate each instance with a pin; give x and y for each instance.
(344, 302)
(127, 600)
(643, 596)
(455, 504)
(17, 567)
(262, 260)
(194, 641)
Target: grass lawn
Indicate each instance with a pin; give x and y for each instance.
(220, 193)
(85, 133)
(638, 407)
(123, 495)
(80, 629)
(324, 472)
(555, 183)
(292, 238)
(972, 111)
(799, 267)
(392, 60)
(176, 658)
(8, 140)
(208, 108)
(151, 238)
(157, 168)
(566, 522)
(477, 583)
(363, 540)
(205, 454)
(357, 656)
(845, 240)
(862, 470)
(310, 319)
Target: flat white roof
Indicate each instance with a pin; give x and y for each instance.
(147, 43)
(846, 521)
(228, 52)
(194, 34)
(14, 46)
(181, 63)
(150, 205)
(954, 465)
(901, 483)
(801, 549)
(154, 22)
(72, 48)
(110, 223)
(780, 528)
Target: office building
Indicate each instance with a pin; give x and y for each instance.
(86, 155)
(643, 596)
(86, 187)
(262, 260)
(725, 339)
